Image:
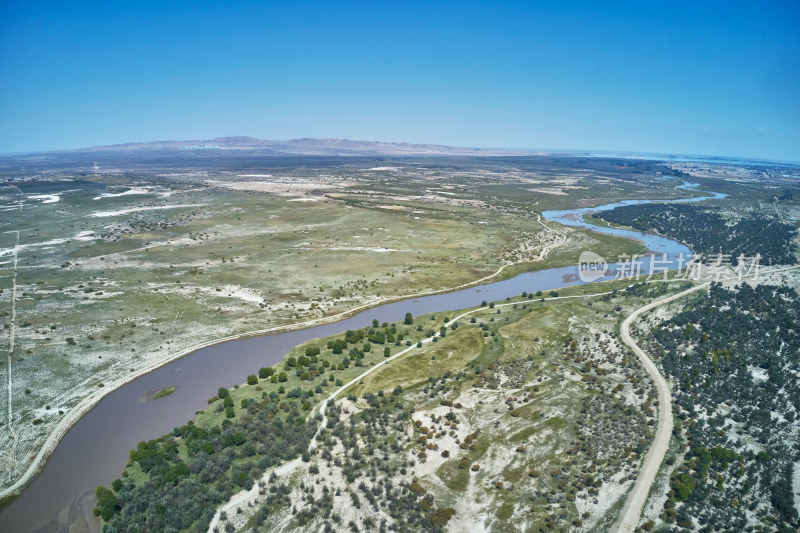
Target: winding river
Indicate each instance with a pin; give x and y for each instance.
(95, 449)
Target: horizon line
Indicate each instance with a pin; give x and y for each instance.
(572, 152)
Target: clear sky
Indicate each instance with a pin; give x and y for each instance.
(711, 78)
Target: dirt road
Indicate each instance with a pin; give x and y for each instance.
(632, 510)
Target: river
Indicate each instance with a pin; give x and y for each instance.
(94, 451)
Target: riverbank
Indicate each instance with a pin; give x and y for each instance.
(88, 403)
(91, 401)
(553, 281)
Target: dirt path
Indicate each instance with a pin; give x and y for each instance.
(632, 510)
(247, 497)
(85, 405)
(546, 250)
(629, 516)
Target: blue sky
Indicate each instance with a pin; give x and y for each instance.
(695, 78)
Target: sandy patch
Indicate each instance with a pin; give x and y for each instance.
(758, 374)
(357, 249)
(82, 236)
(45, 198)
(280, 187)
(557, 191)
(129, 192)
(796, 485)
(609, 494)
(227, 291)
(137, 209)
(102, 295)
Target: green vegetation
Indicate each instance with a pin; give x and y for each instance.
(8, 500)
(236, 421)
(526, 356)
(531, 409)
(164, 392)
(708, 232)
(733, 355)
(188, 260)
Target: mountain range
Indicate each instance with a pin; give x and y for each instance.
(301, 147)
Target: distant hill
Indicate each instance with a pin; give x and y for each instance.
(300, 147)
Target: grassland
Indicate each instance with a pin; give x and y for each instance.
(531, 416)
(118, 273)
(563, 412)
(125, 270)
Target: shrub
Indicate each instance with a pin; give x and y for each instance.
(106, 503)
(312, 351)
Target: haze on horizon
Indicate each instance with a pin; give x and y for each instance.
(685, 78)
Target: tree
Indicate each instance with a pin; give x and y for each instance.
(291, 362)
(222, 393)
(311, 351)
(282, 377)
(265, 372)
(386, 352)
(252, 379)
(409, 319)
(106, 503)
(379, 337)
(337, 346)
(352, 337)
